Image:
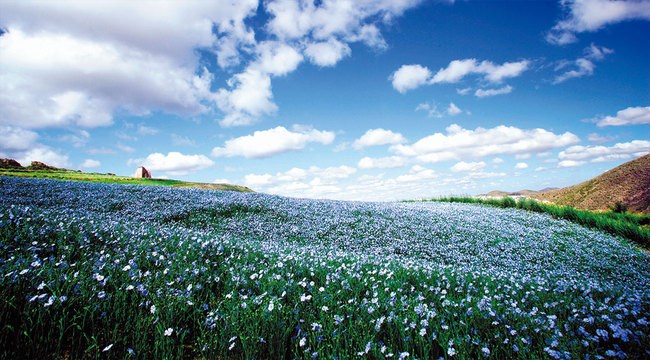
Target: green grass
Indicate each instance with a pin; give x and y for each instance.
(628, 225)
(64, 174)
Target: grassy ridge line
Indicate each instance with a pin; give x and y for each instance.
(64, 174)
(626, 225)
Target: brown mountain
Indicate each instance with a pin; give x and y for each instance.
(628, 183)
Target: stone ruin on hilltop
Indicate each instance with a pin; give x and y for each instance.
(142, 172)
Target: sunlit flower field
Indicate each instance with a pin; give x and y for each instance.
(119, 271)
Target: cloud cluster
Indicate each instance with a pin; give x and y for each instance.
(312, 182)
(174, 163)
(631, 116)
(317, 31)
(75, 63)
(376, 137)
(580, 155)
(592, 15)
(266, 143)
(409, 77)
(459, 143)
(583, 66)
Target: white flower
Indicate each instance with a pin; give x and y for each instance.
(107, 348)
(423, 331)
(271, 306)
(451, 351)
(485, 351)
(303, 341)
(169, 332)
(152, 309)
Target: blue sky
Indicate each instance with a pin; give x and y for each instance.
(359, 100)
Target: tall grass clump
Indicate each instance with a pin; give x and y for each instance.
(616, 222)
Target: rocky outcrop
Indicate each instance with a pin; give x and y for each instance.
(37, 165)
(10, 164)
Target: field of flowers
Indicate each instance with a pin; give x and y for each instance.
(120, 271)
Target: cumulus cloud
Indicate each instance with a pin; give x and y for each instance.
(91, 163)
(382, 163)
(14, 138)
(327, 53)
(592, 15)
(409, 77)
(458, 69)
(312, 182)
(521, 166)
(266, 143)
(493, 92)
(578, 155)
(377, 137)
(631, 116)
(468, 166)
(173, 163)
(453, 109)
(43, 154)
(583, 66)
(459, 144)
(75, 64)
(276, 58)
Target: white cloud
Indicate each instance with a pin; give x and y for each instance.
(146, 130)
(461, 144)
(43, 154)
(377, 137)
(570, 163)
(458, 69)
(333, 172)
(90, 163)
(497, 160)
(327, 53)
(631, 116)
(382, 163)
(417, 174)
(179, 140)
(249, 98)
(592, 15)
(521, 166)
(464, 91)
(597, 138)
(292, 20)
(493, 92)
(266, 143)
(409, 77)
(583, 66)
(314, 182)
(15, 138)
(174, 163)
(253, 180)
(276, 58)
(468, 166)
(76, 63)
(581, 154)
(453, 109)
(430, 108)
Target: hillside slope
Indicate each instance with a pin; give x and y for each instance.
(10, 167)
(628, 183)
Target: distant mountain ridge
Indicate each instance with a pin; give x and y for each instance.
(628, 183)
(525, 192)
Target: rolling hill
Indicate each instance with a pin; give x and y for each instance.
(10, 167)
(628, 183)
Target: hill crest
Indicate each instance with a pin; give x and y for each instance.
(628, 183)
